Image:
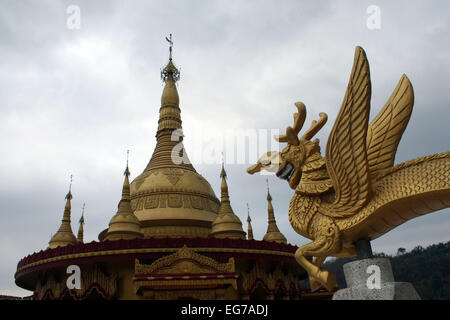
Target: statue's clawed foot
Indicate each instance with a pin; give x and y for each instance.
(323, 279)
(314, 284)
(327, 279)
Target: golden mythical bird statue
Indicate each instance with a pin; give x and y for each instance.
(355, 192)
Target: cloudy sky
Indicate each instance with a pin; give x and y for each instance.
(74, 100)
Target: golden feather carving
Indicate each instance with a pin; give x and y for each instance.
(386, 130)
(346, 156)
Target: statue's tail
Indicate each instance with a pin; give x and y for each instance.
(408, 190)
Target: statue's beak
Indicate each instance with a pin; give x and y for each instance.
(254, 168)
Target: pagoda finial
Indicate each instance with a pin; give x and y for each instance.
(223, 173)
(170, 47)
(80, 237)
(127, 171)
(69, 194)
(224, 186)
(126, 183)
(269, 197)
(82, 214)
(170, 71)
(249, 225)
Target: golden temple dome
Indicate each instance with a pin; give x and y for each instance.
(273, 233)
(227, 224)
(64, 236)
(124, 224)
(170, 198)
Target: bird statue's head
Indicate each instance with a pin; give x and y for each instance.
(288, 163)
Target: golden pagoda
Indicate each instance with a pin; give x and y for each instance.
(171, 238)
(124, 224)
(273, 233)
(64, 236)
(227, 224)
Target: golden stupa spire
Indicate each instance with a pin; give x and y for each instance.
(124, 224)
(169, 121)
(227, 224)
(64, 236)
(81, 227)
(126, 183)
(249, 225)
(273, 233)
(225, 198)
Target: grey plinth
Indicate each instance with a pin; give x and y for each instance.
(372, 279)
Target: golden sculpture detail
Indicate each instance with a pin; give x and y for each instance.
(355, 192)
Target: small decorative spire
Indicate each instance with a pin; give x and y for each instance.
(82, 214)
(126, 183)
(269, 197)
(81, 227)
(273, 233)
(227, 224)
(223, 173)
(249, 227)
(69, 194)
(64, 236)
(127, 171)
(124, 224)
(224, 186)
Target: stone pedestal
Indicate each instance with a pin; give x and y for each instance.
(372, 279)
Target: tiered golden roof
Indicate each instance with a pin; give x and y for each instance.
(273, 233)
(124, 224)
(170, 198)
(227, 224)
(64, 236)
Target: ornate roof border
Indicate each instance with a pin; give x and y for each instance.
(184, 253)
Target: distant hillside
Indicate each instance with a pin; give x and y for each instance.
(427, 269)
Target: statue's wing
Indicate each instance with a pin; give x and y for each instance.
(385, 131)
(346, 156)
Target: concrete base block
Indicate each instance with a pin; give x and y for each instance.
(372, 279)
(388, 291)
